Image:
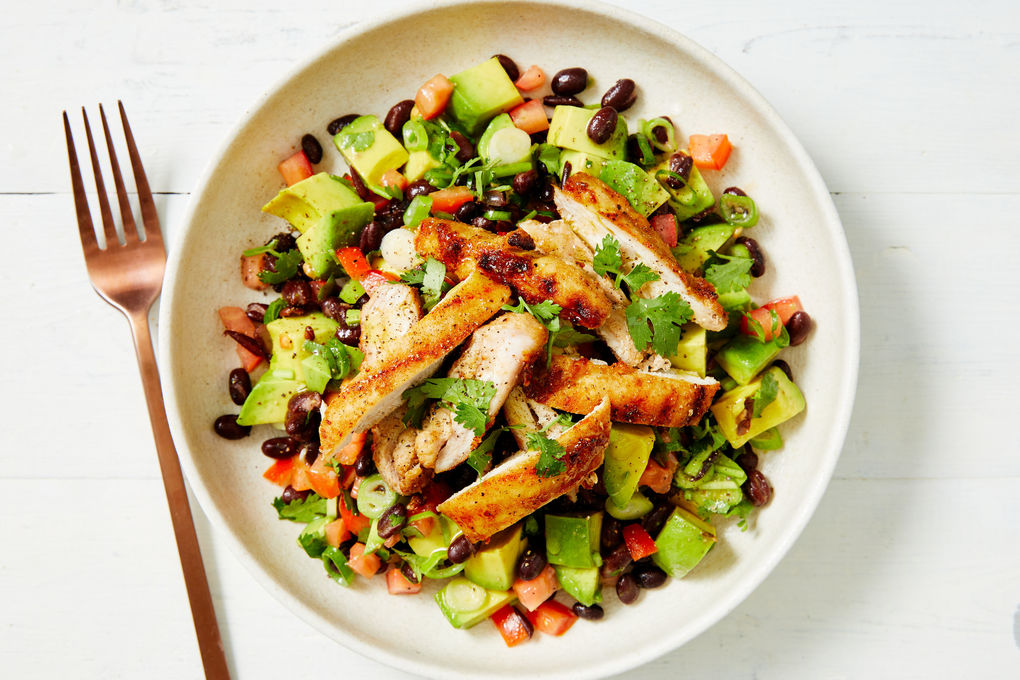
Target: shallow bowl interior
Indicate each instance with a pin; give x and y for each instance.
(363, 73)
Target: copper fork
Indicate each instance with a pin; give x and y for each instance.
(127, 271)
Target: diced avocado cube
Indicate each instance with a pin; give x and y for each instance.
(307, 202)
(691, 199)
(584, 585)
(493, 566)
(267, 401)
(334, 230)
(573, 541)
(481, 92)
(729, 408)
(745, 356)
(443, 532)
(736, 300)
(692, 351)
(418, 163)
(641, 189)
(769, 440)
(568, 129)
(684, 540)
(582, 162)
(693, 249)
(316, 372)
(370, 149)
(637, 506)
(465, 603)
(288, 337)
(626, 458)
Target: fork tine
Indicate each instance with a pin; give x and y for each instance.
(81, 206)
(149, 217)
(109, 227)
(127, 219)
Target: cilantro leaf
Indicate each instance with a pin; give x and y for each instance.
(658, 321)
(561, 333)
(609, 262)
(550, 450)
(340, 358)
(480, 458)
(639, 276)
(287, 264)
(431, 276)
(261, 249)
(730, 275)
(766, 394)
(302, 510)
(357, 141)
(273, 310)
(469, 400)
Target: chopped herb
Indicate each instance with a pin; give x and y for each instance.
(273, 310)
(468, 399)
(480, 458)
(779, 333)
(550, 450)
(340, 358)
(561, 333)
(431, 276)
(417, 210)
(766, 394)
(609, 262)
(287, 264)
(730, 275)
(358, 141)
(658, 321)
(261, 249)
(302, 510)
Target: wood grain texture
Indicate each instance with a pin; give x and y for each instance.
(910, 567)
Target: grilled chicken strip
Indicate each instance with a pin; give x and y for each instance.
(376, 392)
(535, 276)
(513, 490)
(525, 415)
(498, 351)
(593, 210)
(578, 385)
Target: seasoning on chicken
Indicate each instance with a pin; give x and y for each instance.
(535, 276)
(376, 391)
(498, 351)
(513, 490)
(593, 210)
(577, 385)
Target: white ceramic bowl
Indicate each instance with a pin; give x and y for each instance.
(361, 72)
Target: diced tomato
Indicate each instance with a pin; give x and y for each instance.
(665, 226)
(448, 200)
(710, 152)
(280, 472)
(234, 319)
(531, 79)
(397, 583)
(375, 278)
(539, 589)
(323, 478)
(763, 317)
(295, 168)
(300, 479)
(251, 267)
(639, 543)
(785, 307)
(552, 618)
(433, 96)
(656, 477)
(512, 625)
(336, 532)
(348, 454)
(530, 116)
(354, 523)
(366, 565)
(393, 178)
(353, 261)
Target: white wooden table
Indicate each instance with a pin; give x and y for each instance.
(911, 566)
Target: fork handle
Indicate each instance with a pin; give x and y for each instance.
(203, 614)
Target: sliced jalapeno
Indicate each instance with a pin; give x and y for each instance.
(375, 496)
(739, 211)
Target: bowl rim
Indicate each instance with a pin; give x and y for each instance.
(843, 403)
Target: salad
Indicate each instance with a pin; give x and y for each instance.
(512, 350)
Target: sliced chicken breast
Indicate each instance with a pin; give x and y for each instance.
(410, 360)
(593, 210)
(534, 275)
(513, 490)
(578, 385)
(525, 415)
(390, 313)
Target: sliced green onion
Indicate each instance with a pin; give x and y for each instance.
(273, 310)
(351, 292)
(547, 213)
(353, 317)
(375, 497)
(416, 138)
(738, 211)
(528, 216)
(647, 157)
(496, 215)
(511, 169)
(648, 130)
(417, 210)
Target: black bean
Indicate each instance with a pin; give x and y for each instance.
(371, 236)
(736, 191)
(616, 560)
(256, 311)
(467, 212)
(565, 174)
(392, 521)
(530, 565)
(784, 367)
(656, 519)
(298, 293)
(748, 460)
(525, 181)
(338, 124)
(249, 343)
(299, 413)
(509, 66)
(484, 223)
(494, 198)
(239, 385)
(313, 150)
(602, 124)
(359, 186)
(418, 187)
(360, 302)
(349, 335)
(227, 427)
(621, 95)
(798, 326)
(570, 81)
(758, 257)
(661, 135)
(612, 533)
(757, 488)
(397, 116)
(546, 193)
(460, 549)
(465, 149)
(334, 308)
(561, 100)
(627, 589)
(290, 494)
(363, 464)
(309, 451)
(284, 241)
(592, 613)
(649, 576)
(681, 164)
(408, 573)
(280, 447)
